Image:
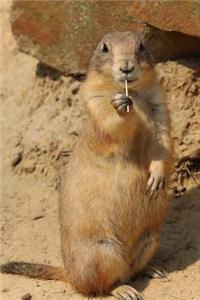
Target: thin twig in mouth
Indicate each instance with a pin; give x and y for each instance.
(126, 89)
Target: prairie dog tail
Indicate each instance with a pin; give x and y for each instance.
(39, 271)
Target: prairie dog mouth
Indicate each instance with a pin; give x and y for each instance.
(128, 80)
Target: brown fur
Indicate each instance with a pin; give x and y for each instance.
(41, 271)
(109, 225)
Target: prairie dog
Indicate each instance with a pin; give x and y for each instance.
(113, 197)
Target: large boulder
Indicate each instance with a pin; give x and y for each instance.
(63, 34)
(176, 15)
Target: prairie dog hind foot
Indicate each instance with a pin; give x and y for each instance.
(154, 272)
(126, 292)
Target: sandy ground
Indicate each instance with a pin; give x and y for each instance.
(41, 119)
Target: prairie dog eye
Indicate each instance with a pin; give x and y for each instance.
(141, 47)
(104, 48)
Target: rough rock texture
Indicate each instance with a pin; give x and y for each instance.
(63, 34)
(176, 15)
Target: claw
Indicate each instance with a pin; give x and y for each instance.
(119, 297)
(153, 272)
(149, 183)
(155, 184)
(128, 296)
(126, 292)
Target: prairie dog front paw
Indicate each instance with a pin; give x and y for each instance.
(122, 103)
(156, 181)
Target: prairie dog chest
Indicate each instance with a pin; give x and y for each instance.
(117, 171)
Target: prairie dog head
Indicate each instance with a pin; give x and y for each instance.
(122, 56)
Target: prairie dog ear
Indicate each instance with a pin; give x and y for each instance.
(146, 33)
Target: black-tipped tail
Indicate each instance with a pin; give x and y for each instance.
(34, 270)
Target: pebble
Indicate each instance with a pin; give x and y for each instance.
(27, 297)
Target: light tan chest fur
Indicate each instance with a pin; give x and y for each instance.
(106, 197)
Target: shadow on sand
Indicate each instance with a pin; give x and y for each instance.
(180, 236)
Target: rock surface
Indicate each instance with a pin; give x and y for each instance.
(63, 34)
(182, 16)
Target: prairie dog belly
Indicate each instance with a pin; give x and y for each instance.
(106, 198)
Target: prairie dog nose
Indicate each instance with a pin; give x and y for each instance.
(127, 66)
